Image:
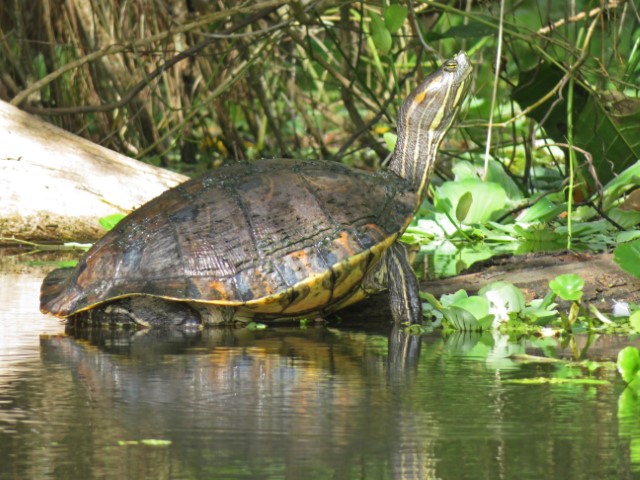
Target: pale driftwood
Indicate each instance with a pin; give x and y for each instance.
(54, 186)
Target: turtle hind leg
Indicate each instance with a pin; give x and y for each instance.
(141, 311)
(396, 274)
(404, 289)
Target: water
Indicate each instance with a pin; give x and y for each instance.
(315, 403)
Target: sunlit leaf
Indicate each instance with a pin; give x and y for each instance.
(628, 363)
(626, 180)
(477, 306)
(390, 139)
(464, 204)
(488, 198)
(110, 221)
(394, 17)
(627, 256)
(568, 286)
(379, 34)
(510, 295)
(544, 209)
(460, 319)
(497, 174)
(451, 298)
(634, 320)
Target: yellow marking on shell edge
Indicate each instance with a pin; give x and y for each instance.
(313, 301)
(316, 298)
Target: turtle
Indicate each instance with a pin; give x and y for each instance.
(269, 239)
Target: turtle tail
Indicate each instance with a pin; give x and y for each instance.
(53, 289)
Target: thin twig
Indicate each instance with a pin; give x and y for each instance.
(137, 44)
(494, 93)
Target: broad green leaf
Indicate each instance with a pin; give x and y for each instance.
(394, 17)
(464, 204)
(452, 298)
(568, 286)
(475, 305)
(626, 180)
(628, 363)
(628, 236)
(634, 320)
(488, 198)
(464, 170)
(461, 319)
(625, 218)
(379, 34)
(627, 256)
(497, 174)
(509, 295)
(544, 209)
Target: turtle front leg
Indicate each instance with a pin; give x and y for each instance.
(394, 272)
(404, 290)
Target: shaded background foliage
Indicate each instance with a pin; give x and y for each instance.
(191, 83)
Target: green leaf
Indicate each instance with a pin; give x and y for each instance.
(452, 298)
(110, 221)
(627, 256)
(461, 319)
(475, 305)
(626, 180)
(394, 17)
(628, 363)
(568, 286)
(464, 204)
(634, 320)
(507, 294)
(390, 139)
(379, 34)
(544, 209)
(493, 198)
(497, 174)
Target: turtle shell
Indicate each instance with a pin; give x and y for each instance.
(277, 237)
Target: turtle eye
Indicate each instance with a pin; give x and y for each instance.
(451, 66)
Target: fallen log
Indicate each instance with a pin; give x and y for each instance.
(605, 283)
(54, 186)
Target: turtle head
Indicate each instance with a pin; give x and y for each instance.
(425, 118)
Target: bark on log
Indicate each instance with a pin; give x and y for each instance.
(54, 186)
(605, 282)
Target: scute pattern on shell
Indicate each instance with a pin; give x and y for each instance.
(265, 234)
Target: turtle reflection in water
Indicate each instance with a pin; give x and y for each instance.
(270, 239)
